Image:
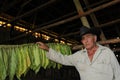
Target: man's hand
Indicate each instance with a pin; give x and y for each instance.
(43, 46)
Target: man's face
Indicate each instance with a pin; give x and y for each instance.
(88, 40)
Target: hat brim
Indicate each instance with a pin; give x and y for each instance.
(94, 30)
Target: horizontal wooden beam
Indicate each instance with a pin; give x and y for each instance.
(110, 41)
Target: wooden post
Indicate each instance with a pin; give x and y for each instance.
(80, 11)
(110, 41)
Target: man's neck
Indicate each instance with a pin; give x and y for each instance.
(92, 50)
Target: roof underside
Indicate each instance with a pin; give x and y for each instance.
(60, 17)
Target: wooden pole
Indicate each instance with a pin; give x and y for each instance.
(80, 10)
(33, 10)
(110, 41)
(102, 25)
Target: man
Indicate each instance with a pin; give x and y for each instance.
(95, 62)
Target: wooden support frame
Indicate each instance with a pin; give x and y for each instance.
(72, 18)
(110, 41)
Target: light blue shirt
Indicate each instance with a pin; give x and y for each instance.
(104, 65)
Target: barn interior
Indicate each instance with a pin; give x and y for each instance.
(58, 21)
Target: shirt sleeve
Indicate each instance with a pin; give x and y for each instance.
(59, 58)
(115, 66)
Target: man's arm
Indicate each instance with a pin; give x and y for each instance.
(115, 66)
(43, 46)
(56, 56)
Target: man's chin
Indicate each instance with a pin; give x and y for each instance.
(87, 47)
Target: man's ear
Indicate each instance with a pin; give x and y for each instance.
(95, 38)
